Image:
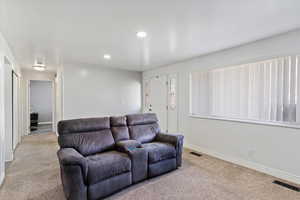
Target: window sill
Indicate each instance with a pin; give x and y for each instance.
(294, 126)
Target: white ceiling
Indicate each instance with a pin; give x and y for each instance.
(79, 31)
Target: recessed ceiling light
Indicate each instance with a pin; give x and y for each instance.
(141, 34)
(107, 56)
(39, 67)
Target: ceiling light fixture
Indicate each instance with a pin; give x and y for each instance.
(107, 56)
(39, 67)
(141, 34)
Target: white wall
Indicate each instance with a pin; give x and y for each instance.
(28, 75)
(5, 123)
(93, 91)
(41, 100)
(270, 149)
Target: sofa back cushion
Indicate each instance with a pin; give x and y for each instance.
(87, 136)
(119, 128)
(143, 127)
(82, 125)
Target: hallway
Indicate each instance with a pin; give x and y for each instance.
(30, 168)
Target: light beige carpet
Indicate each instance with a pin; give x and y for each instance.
(34, 175)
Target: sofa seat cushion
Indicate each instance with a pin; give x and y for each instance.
(107, 164)
(158, 151)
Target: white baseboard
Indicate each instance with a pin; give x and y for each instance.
(245, 163)
(10, 158)
(2, 175)
(44, 123)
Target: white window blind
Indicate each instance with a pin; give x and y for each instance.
(266, 91)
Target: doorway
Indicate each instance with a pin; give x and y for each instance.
(160, 97)
(41, 106)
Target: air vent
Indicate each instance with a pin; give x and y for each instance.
(291, 187)
(196, 154)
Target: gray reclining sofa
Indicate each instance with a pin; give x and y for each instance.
(100, 156)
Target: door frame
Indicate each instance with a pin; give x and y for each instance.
(28, 104)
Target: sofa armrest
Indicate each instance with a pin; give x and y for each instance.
(169, 138)
(139, 164)
(127, 145)
(174, 139)
(138, 157)
(74, 169)
(69, 157)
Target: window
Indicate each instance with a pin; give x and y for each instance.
(172, 93)
(147, 95)
(265, 91)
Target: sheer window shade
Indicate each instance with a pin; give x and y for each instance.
(265, 91)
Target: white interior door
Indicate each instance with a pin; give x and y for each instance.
(20, 119)
(172, 104)
(158, 100)
(8, 112)
(2, 125)
(15, 109)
